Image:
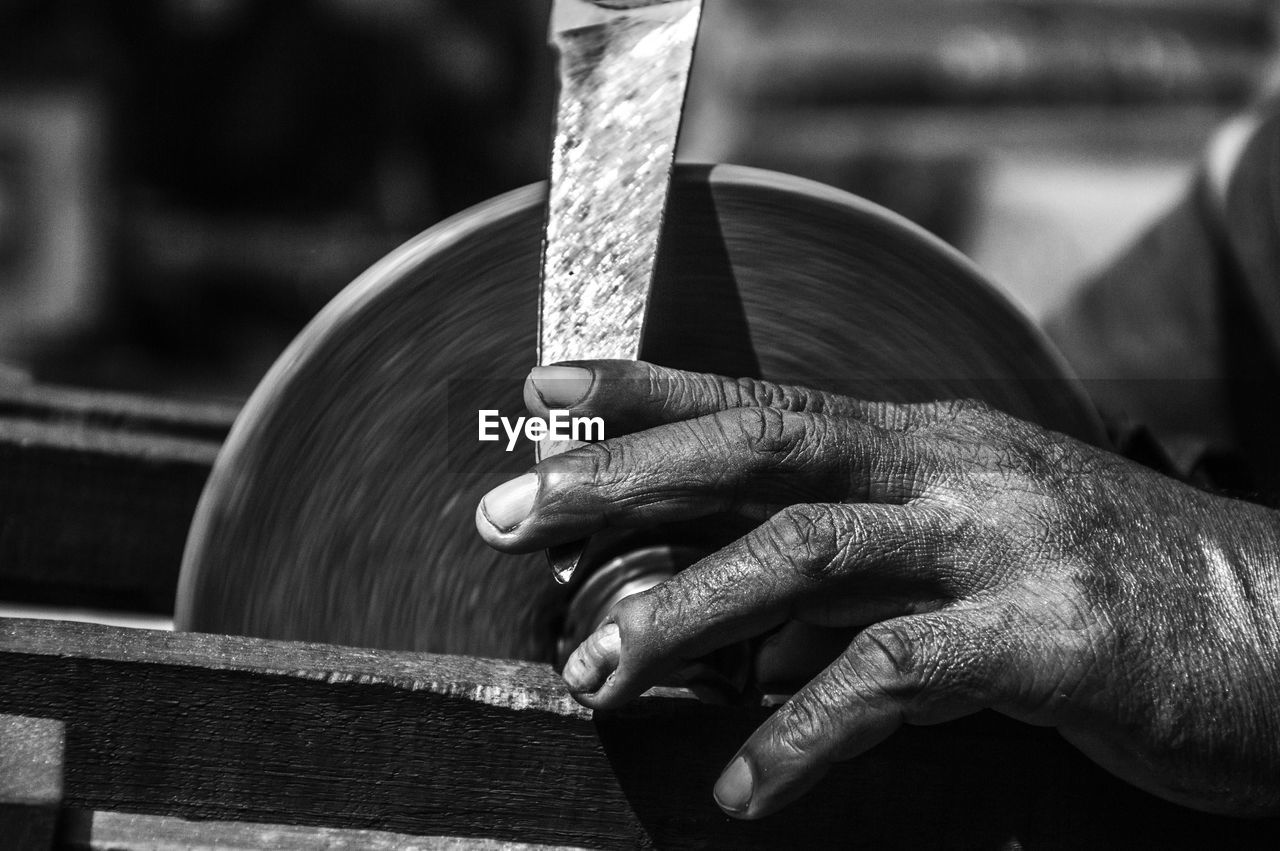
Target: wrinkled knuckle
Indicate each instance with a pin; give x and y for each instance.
(650, 379)
(880, 464)
(895, 416)
(683, 391)
(675, 393)
(782, 397)
(926, 417)
(753, 392)
(807, 538)
(675, 605)
(803, 725)
(605, 462)
(764, 431)
(892, 654)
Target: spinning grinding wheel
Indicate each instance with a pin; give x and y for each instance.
(341, 508)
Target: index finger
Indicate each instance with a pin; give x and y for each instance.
(633, 395)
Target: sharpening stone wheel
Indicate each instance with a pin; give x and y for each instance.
(341, 508)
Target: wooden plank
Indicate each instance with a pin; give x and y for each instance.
(202, 727)
(128, 832)
(98, 492)
(31, 751)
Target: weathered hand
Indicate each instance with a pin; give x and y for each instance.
(994, 564)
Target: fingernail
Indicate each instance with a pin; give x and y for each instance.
(507, 505)
(594, 660)
(561, 386)
(733, 789)
(576, 675)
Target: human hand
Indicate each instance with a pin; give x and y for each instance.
(993, 564)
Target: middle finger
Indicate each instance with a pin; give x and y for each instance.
(748, 460)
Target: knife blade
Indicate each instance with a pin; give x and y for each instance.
(623, 72)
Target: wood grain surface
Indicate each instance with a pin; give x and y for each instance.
(103, 831)
(197, 727)
(98, 492)
(31, 763)
(342, 508)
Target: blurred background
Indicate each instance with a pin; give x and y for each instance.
(183, 183)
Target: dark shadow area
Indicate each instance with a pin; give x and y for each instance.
(696, 320)
(982, 782)
(1252, 393)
